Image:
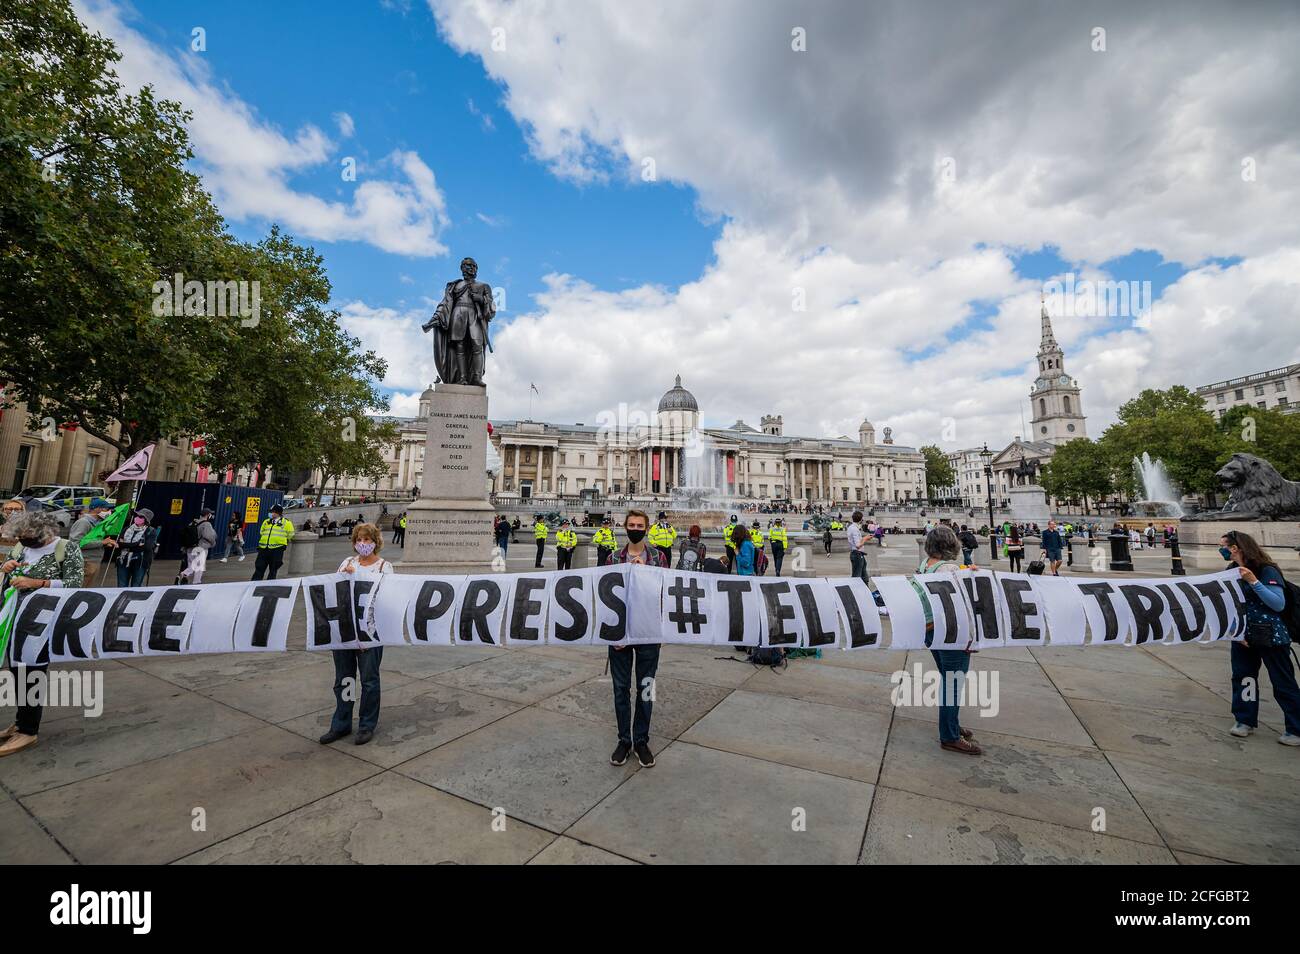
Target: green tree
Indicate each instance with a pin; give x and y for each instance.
(1267, 433)
(938, 471)
(1171, 425)
(1080, 469)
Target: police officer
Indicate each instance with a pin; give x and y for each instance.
(604, 542)
(731, 547)
(540, 531)
(779, 542)
(565, 541)
(272, 540)
(661, 537)
(756, 535)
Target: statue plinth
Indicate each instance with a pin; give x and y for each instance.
(449, 528)
(1029, 504)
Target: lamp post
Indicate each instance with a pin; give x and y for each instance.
(986, 455)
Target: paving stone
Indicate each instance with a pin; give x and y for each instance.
(1152, 692)
(566, 851)
(1028, 778)
(829, 685)
(388, 819)
(206, 670)
(519, 677)
(413, 719)
(281, 695)
(703, 806)
(143, 814)
(542, 767)
(25, 842)
(913, 829)
(678, 704)
(837, 741)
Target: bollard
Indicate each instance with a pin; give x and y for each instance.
(1091, 542)
(1069, 551)
(1119, 555)
(1176, 559)
(302, 554)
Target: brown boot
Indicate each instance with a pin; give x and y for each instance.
(964, 746)
(13, 729)
(16, 743)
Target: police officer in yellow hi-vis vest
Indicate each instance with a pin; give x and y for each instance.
(565, 541)
(540, 531)
(604, 542)
(756, 534)
(779, 542)
(272, 541)
(661, 536)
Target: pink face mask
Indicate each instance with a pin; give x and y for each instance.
(364, 547)
(139, 521)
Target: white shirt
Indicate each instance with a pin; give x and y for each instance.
(376, 571)
(33, 555)
(855, 536)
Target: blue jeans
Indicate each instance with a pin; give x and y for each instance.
(858, 565)
(620, 671)
(131, 575)
(348, 663)
(950, 661)
(1245, 663)
(965, 556)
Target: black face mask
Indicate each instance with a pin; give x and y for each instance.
(636, 536)
(30, 542)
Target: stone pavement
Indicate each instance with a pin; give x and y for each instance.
(475, 740)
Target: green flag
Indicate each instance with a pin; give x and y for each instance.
(110, 525)
(7, 613)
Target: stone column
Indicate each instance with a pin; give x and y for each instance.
(515, 474)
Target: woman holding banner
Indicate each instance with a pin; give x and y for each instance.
(367, 541)
(40, 560)
(1267, 639)
(942, 550)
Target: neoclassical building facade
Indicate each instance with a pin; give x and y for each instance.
(628, 458)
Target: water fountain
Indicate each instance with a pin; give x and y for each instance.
(1160, 499)
(697, 501)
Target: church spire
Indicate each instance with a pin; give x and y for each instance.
(1049, 340)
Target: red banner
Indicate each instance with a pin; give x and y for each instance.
(731, 469)
(655, 464)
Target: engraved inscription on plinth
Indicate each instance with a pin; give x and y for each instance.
(449, 528)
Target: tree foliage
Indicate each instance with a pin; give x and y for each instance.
(938, 471)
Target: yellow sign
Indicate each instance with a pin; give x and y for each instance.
(227, 500)
(252, 509)
(177, 503)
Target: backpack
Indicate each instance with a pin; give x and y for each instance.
(1291, 611)
(760, 562)
(690, 559)
(771, 656)
(190, 536)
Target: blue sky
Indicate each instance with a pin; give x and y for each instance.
(782, 175)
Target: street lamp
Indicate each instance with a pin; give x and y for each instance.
(986, 455)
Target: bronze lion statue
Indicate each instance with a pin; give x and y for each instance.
(1256, 491)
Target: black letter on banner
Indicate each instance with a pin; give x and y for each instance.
(777, 612)
(432, 603)
(605, 592)
(983, 605)
(474, 614)
(857, 632)
(683, 590)
(1238, 600)
(735, 590)
(525, 607)
(1147, 607)
(1020, 609)
(267, 597)
(946, 590)
(28, 625)
(165, 616)
(359, 589)
(119, 619)
(70, 622)
(1185, 631)
(1212, 590)
(563, 593)
(341, 612)
(1101, 592)
(816, 635)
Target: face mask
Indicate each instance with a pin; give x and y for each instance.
(364, 547)
(636, 536)
(1225, 553)
(30, 542)
(139, 521)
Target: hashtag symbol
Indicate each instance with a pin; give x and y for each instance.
(683, 590)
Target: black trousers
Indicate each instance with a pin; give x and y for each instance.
(603, 554)
(27, 718)
(778, 554)
(541, 548)
(268, 559)
(563, 558)
(668, 555)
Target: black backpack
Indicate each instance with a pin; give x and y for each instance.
(772, 656)
(190, 536)
(1291, 611)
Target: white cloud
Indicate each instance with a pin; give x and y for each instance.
(346, 126)
(828, 166)
(248, 163)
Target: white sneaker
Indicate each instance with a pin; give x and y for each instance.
(1289, 739)
(241, 559)
(223, 559)
(1241, 731)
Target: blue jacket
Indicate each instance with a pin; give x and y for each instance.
(1052, 542)
(745, 559)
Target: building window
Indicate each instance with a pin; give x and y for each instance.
(1238, 394)
(1279, 385)
(1281, 402)
(1042, 410)
(562, 457)
(1220, 398)
(600, 460)
(1259, 389)
(528, 457)
(1067, 404)
(22, 467)
(1263, 404)
(91, 469)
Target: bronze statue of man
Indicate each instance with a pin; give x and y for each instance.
(460, 327)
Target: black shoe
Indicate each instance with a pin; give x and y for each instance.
(333, 736)
(645, 756)
(620, 754)
(364, 736)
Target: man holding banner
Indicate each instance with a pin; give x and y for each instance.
(635, 735)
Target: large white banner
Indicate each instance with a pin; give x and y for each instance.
(629, 604)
